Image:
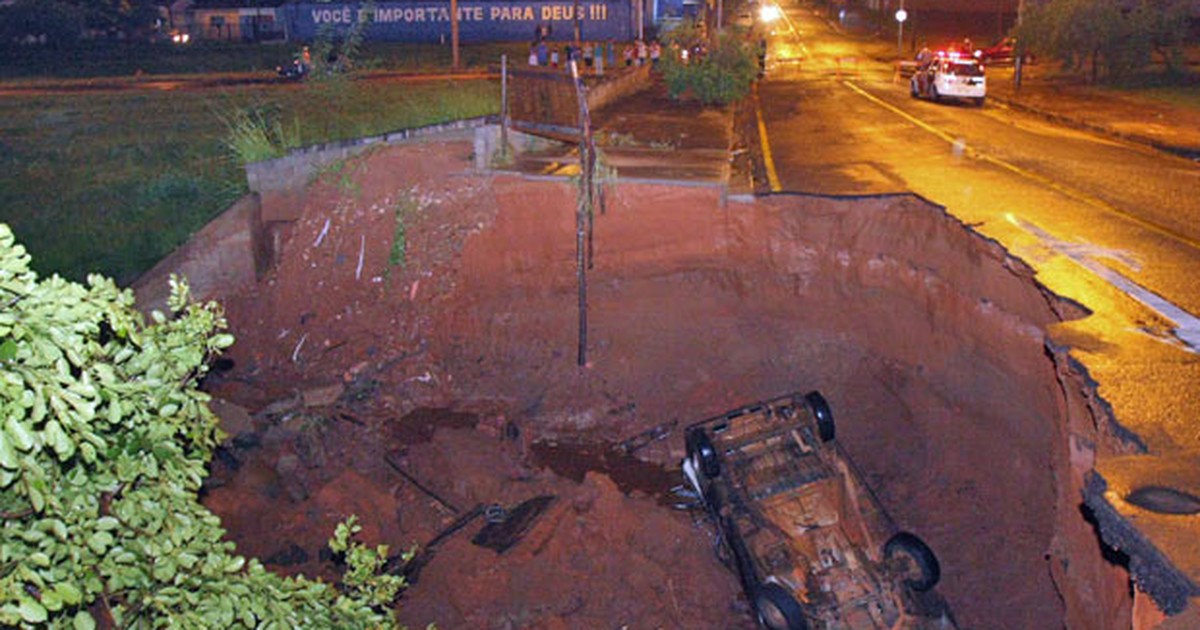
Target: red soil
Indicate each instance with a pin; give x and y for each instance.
(926, 339)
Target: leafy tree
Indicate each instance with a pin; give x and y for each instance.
(1108, 38)
(721, 73)
(104, 440)
(120, 15)
(59, 22)
(1166, 24)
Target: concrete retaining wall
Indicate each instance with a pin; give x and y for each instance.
(280, 183)
(224, 255)
(241, 244)
(615, 85)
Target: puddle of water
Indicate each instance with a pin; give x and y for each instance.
(573, 460)
(1165, 500)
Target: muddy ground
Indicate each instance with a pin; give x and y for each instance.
(409, 393)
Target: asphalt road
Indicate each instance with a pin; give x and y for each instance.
(1112, 225)
(839, 123)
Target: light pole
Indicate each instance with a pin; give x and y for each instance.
(454, 33)
(901, 15)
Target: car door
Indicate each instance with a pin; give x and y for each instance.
(924, 78)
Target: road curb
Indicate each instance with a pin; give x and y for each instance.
(1191, 153)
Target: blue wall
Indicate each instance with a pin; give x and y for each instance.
(479, 20)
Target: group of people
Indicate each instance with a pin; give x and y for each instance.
(967, 47)
(541, 53)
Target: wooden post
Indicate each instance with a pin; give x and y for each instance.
(504, 106)
(454, 32)
(583, 209)
(578, 23)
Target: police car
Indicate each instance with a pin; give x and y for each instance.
(950, 75)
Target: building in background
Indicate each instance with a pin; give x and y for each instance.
(229, 21)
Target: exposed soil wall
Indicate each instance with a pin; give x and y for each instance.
(927, 339)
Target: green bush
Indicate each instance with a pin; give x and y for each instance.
(254, 134)
(104, 442)
(723, 74)
(51, 22)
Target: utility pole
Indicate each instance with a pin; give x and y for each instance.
(578, 24)
(454, 32)
(1018, 51)
(641, 19)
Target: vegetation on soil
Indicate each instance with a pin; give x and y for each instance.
(405, 206)
(103, 449)
(720, 71)
(257, 134)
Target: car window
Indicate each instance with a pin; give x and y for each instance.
(964, 69)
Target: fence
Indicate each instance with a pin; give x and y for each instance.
(543, 101)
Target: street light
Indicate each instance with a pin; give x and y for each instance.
(901, 15)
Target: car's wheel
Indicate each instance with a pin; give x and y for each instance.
(777, 609)
(914, 561)
(979, 101)
(701, 451)
(819, 407)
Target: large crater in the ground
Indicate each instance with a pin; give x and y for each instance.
(928, 340)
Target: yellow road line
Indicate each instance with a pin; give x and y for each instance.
(768, 160)
(1030, 175)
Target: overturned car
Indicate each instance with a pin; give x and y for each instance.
(811, 544)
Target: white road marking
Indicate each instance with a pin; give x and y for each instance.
(1187, 326)
(1065, 190)
(1187, 329)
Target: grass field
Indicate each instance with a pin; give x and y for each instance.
(112, 181)
(126, 60)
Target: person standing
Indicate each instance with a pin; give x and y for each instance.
(628, 55)
(924, 56)
(554, 57)
(533, 56)
(655, 53)
(641, 52)
(612, 53)
(543, 53)
(589, 55)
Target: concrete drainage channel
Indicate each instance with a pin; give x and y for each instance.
(928, 340)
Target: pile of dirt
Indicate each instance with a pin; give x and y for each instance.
(409, 389)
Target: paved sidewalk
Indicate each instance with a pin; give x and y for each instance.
(1126, 115)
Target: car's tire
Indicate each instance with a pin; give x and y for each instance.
(777, 609)
(921, 570)
(979, 101)
(700, 449)
(826, 429)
